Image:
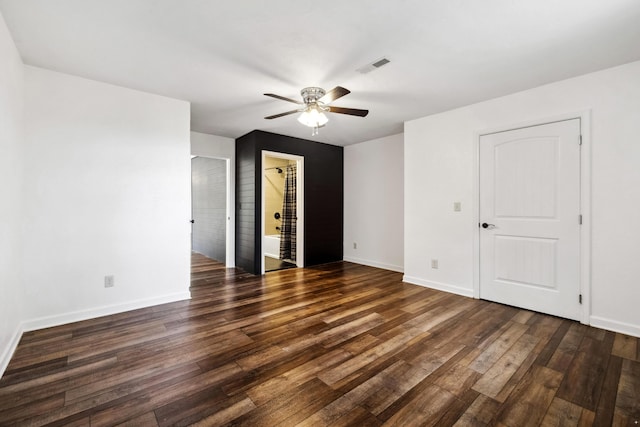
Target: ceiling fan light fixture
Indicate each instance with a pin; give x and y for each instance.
(313, 117)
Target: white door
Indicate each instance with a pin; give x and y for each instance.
(530, 218)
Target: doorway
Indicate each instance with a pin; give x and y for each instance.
(210, 208)
(530, 218)
(282, 211)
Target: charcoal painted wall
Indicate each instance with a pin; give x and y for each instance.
(323, 197)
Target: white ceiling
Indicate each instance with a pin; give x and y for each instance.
(223, 55)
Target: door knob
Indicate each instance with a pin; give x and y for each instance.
(192, 221)
(489, 226)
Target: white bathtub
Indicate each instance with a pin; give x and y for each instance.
(272, 246)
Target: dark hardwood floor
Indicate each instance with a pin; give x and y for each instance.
(340, 345)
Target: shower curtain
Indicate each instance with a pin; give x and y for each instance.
(288, 225)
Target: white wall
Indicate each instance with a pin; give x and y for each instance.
(439, 170)
(373, 203)
(220, 147)
(107, 192)
(11, 137)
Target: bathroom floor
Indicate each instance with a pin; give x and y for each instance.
(273, 264)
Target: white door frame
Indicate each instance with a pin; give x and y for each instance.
(299, 205)
(585, 202)
(230, 248)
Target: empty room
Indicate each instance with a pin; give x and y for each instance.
(290, 213)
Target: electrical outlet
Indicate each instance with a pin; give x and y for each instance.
(457, 206)
(355, 245)
(434, 263)
(109, 281)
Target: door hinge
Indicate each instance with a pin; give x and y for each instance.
(580, 298)
(580, 219)
(580, 140)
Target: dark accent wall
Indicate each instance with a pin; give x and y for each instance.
(323, 197)
(209, 207)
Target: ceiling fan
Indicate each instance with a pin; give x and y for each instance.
(314, 104)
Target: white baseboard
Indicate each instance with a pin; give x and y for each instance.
(384, 266)
(7, 354)
(77, 316)
(615, 326)
(439, 286)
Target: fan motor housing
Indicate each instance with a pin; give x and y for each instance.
(312, 94)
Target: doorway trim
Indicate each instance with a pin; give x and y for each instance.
(585, 201)
(299, 205)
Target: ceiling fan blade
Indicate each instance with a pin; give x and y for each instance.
(273, 95)
(349, 111)
(333, 94)
(275, 116)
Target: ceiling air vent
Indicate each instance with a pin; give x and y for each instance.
(373, 66)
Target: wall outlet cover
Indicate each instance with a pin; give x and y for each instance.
(109, 281)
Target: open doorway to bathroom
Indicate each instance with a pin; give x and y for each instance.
(282, 211)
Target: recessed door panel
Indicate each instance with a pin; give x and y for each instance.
(526, 175)
(525, 261)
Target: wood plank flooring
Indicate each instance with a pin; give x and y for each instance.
(335, 345)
